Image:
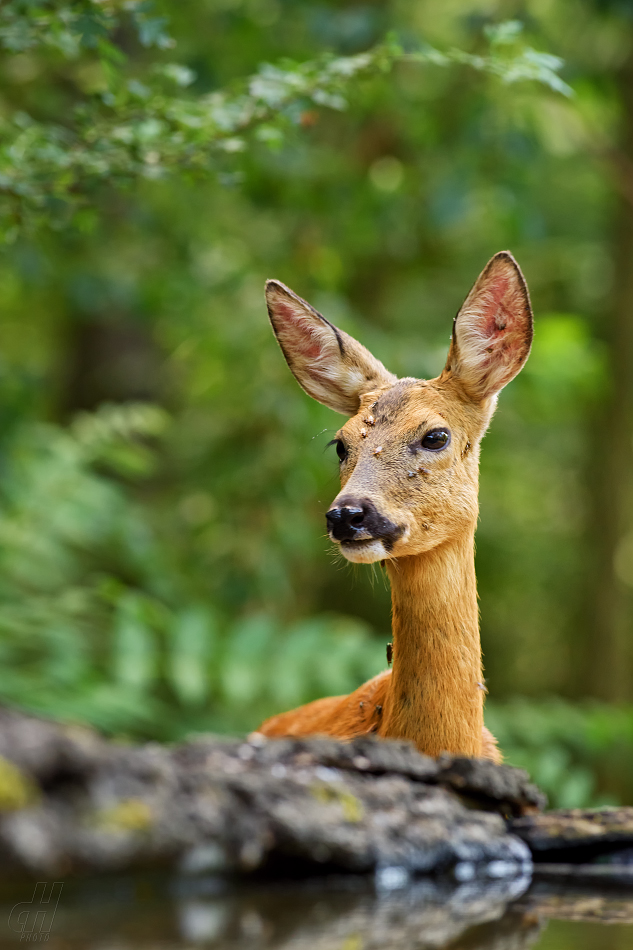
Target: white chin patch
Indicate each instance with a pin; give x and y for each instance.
(364, 552)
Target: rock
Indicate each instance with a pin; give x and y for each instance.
(47, 749)
(494, 786)
(265, 806)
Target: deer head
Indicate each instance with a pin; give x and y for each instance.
(409, 454)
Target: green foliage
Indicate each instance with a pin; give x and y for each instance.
(532, 498)
(509, 59)
(579, 754)
(128, 123)
(70, 28)
(99, 625)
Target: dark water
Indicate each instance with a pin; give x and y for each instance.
(338, 914)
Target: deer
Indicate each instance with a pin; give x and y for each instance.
(409, 467)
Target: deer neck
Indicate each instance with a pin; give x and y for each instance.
(436, 697)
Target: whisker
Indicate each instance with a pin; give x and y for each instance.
(383, 572)
(321, 433)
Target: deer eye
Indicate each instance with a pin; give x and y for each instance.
(341, 450)
(436, 439)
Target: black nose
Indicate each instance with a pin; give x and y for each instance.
(345, 524)
(358, 519)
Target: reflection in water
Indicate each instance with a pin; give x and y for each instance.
(342, 913)
(424, 915)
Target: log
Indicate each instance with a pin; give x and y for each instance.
(579, 832)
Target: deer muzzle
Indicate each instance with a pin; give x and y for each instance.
(354, 521)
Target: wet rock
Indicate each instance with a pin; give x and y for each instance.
(265, 806)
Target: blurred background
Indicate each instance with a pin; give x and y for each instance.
(163, 561)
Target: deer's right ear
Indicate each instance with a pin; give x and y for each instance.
(331, 366)
(492, 333)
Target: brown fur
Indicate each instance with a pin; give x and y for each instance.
(434, 695)
(347, 717)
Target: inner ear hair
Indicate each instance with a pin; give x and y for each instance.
(331, 366)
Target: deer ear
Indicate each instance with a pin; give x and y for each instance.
(492, 333)
(330, 365)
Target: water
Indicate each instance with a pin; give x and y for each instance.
(148, 912)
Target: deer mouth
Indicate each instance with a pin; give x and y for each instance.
(387, 540)
(358, 542)
(366, 551)
(362, 531)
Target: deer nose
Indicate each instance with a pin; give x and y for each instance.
(344, 524)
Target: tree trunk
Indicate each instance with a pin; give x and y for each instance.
(610, 453)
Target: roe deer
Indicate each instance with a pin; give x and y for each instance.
(409, 459)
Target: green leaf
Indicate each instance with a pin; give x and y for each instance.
(135, 655)
(193, 637)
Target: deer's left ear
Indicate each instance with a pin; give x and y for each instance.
(492, 333)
